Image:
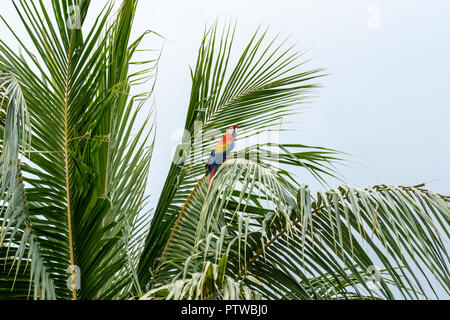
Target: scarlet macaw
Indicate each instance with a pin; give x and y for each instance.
(220, 154)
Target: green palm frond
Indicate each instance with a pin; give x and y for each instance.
(288, 240)
(17, 238)
(400, 229)
(85, 165)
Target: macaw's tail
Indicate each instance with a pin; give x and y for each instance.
(211, 175)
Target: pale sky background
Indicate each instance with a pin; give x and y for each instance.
(386, 101)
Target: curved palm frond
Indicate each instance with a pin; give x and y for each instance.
(84, 169)
(266, 83)
(76, 145)
(210, 284)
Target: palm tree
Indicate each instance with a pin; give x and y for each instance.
(74, 221)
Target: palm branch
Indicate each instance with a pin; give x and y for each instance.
(73, 174)
(279, 240)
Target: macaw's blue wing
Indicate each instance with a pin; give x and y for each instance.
(219, 159)
(211, 160)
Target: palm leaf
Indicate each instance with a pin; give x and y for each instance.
(347, 232)
(262, 218)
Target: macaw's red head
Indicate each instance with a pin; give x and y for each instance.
(232, 131)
